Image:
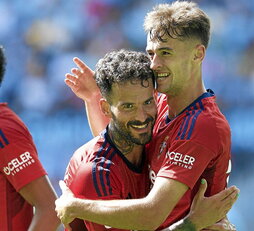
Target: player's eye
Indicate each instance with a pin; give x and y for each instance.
(147, 102)
(150, 102)
(127, 106)
(166, 53)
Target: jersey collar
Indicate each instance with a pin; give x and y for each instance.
(208, 93)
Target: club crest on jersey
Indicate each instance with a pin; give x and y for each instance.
(163, 145)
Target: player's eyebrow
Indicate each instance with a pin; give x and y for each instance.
(161, 48)
(165, 48)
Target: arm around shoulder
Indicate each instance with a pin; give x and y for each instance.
(134, 214)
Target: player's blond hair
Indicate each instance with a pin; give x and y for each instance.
(179, 20)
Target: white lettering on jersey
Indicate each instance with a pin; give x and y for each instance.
(181, 160)
(18, 164)
(174, 158)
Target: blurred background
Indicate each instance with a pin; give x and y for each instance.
(42, 36)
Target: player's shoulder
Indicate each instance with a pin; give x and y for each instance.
(202, 121)
(95, 154)
(13, 131)
(211, 118)
(96, 147)
(10, 122)
(7, 113)
(90, 168)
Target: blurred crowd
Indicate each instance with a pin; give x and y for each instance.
(42, 36)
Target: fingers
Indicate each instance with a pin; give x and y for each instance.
(81, 64)
(77, 72)
(202, 189)
(230, 192)
(69, 83)
(71, 77)
(75, 77)
(230, 200)
(63, 186)
(227, 203)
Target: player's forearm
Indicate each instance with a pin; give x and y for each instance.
(124, 214)
(96, 119)
(44, 219)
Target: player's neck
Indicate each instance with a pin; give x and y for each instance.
(131, 151)
(179, 102)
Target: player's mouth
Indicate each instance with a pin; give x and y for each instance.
(161, 76)
(142, 127)
(139, 126)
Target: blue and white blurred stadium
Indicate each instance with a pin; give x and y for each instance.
(42, 36)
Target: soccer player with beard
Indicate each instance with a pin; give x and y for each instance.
(113, 165)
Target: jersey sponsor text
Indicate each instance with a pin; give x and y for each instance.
(18, 164)
(181, 160)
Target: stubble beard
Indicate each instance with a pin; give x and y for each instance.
(124, 139)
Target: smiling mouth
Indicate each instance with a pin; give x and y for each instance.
(162, 75)
(139, 126)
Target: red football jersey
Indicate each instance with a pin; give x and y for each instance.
(19, 165)
(195, 144)
(98, 170)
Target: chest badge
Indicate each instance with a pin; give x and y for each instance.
(163, 145)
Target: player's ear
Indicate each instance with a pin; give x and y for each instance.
(105, 107)
(199, 53)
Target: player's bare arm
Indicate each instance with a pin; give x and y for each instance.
(82, 83)
(108, 212)
(134, 214)
(41, 195)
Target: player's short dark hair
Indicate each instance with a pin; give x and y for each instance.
(122, 66)
(2, 64)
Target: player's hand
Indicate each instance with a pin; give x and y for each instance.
(206, 211)
(223, 225)
(64, 204)
(81, 81)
